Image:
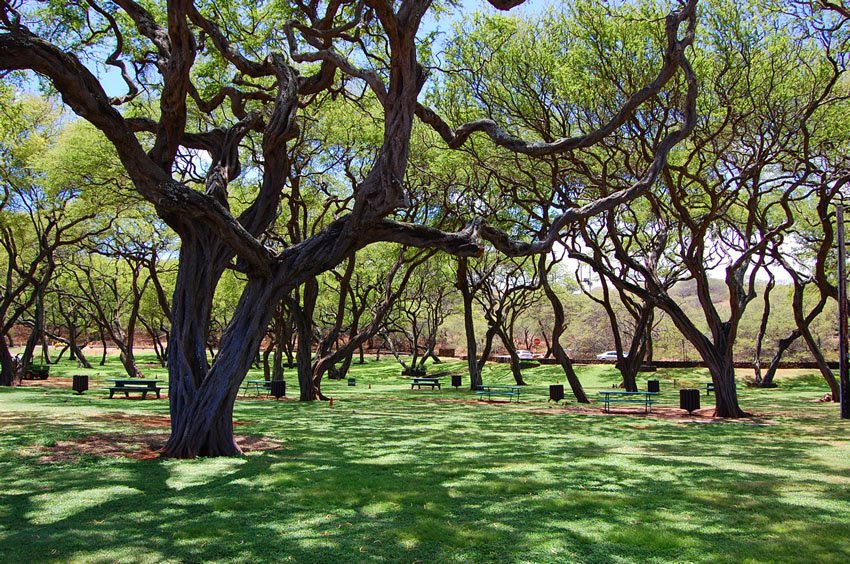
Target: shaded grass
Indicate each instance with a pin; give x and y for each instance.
(390, 474)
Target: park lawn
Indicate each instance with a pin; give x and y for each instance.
(390, 474)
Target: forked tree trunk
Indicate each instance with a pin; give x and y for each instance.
(557, 330)
(471, 346)
(37, 334)
(817, 354)
(202, 401)
(196, 429)
(783, 345)
(128, 361)
(717, 356)
(515, 369)
(725, 393)
(76, 350)
(304, 358)
(765, 317)
(628, 370)
(629, 366)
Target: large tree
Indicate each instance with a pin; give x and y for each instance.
(208, 81)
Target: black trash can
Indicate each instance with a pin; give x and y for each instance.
(652, 386)
(689, 399)
(556, 392)
(277, 388)
(457, 380)
(352, 382)
(81, 383)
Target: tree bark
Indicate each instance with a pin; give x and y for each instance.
(509, 346)
(765, 316)
(76, 350)
(725, 392)
(558, 326)
(475, 380)
(10, 374)
(304, 358)
(782, 346)
(202, 407)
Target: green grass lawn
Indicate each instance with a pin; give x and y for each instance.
(390, 474)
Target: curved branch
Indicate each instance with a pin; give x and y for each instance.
(113, 58)
(505, 244)
(246, 66)
(673, 58)
(83, 93)
(465, 243)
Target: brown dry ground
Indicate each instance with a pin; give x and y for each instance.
(138, 446)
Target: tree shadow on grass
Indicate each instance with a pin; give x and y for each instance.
(410, 480)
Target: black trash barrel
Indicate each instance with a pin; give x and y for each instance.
(81, 383)
(352, 382)
(652, 386)
(689, 399)
(556, 392)
(457, 380)
(277, 388)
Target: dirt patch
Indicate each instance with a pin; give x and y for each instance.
(51, 382)
(136, 447)
(147, 421)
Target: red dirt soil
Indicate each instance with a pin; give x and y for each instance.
(146, 446)
(136, 446)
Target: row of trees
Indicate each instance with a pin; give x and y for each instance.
(304, 156)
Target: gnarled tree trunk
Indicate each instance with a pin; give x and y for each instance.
(558, 327)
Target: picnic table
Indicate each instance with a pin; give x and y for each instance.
(425, 381)
(509, 392)
(709, 387)
(617, 396)
(258, 386)
(134, 385)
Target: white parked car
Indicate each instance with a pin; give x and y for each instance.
(525, 355)
(609, 355)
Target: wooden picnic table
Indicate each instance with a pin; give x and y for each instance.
(618, 396)
(134, 385)
(509, 392)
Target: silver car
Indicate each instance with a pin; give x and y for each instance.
(525, 355)
(609, 355)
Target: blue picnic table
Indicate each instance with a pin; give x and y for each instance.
(509, 392)
(618, 396)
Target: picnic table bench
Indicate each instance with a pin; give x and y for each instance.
(509, 392)
(645, 398)
(258, 386)
(709, 388)
(134, 385)
(429, 381)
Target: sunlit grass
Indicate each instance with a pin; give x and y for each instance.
(393, 474)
